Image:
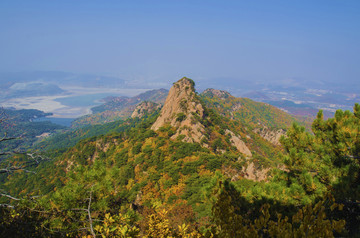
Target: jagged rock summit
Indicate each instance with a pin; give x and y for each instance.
(182, 110)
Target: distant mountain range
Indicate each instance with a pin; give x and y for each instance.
(295, 96)
(51, 83)
(60, 78)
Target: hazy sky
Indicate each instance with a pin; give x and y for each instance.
(165, 40)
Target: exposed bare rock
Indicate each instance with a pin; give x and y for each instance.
(43, 135)
(182, 110)
(249, 171)
(236, 107)
(239, 144)
(256, 174)
(273, 136)
(233, 173)
(143, 108)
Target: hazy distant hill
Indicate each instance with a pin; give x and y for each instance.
(119, 103)
(116, 108)
(298, 109)
(31, 89)
(312, 94)
(60, 78)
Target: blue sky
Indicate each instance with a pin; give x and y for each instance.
(165, 40)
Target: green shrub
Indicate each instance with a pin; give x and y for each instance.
(180, 117)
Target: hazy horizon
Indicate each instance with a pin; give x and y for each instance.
(161, 41)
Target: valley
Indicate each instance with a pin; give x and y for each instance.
(77, 101)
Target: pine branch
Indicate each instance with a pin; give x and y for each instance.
(6, 205)
(35, 159)
(8, 196)
(8, 138)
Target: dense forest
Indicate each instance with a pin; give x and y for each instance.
(125, 179)
(23, 127)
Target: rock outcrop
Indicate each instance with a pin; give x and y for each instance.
(273, 136)
(182, 110)
(144, 108)
(210, 92)
(239, 144)
(255, 174)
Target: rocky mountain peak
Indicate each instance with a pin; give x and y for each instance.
(210, 92)
(182, 110)
(185, 82)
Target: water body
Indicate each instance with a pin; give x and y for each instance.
(60, 121)
(83, 100)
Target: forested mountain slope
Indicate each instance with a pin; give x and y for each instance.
(191, 170)
(254, 114)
